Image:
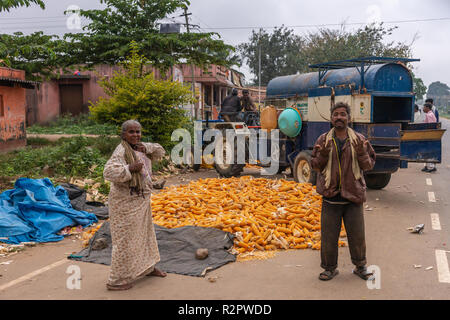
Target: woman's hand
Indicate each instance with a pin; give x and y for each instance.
(135, 167)
(141, 148)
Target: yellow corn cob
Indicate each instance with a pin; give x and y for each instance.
(247, 205)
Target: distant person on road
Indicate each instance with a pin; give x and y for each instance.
(134, 247)
(231, 104)
(340, 156)
(417, 114)
(433, 108)
(429, 118)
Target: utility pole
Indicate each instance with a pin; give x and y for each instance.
(193, 109)
(259, 72)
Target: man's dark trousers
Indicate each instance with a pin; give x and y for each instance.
(331, 218)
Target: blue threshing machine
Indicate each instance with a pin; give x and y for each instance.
(380, 93)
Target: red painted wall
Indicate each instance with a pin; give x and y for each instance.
(12, 122)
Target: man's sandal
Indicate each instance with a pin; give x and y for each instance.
(328, 274)
(362, 273)
(119, 287)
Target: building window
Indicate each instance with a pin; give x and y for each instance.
(2, 109)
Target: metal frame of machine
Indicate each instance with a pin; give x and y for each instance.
(380, 93)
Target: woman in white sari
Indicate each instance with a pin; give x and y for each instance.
(134, 246)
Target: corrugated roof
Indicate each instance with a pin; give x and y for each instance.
(10, 82)
(72, 76)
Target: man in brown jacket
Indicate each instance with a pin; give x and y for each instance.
(340, 157)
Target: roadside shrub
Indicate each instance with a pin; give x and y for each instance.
(136, 94)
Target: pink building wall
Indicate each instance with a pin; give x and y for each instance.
(44, 104)
(12, 112)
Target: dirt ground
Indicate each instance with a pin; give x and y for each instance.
(289, 275)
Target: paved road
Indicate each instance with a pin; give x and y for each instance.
(403, 203)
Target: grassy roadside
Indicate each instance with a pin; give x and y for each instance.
(74, 125)
(59, 161)
(78, 157)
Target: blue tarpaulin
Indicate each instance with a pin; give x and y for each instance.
(35, 211)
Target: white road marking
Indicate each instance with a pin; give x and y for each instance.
(32, 274)
(431, 196)
(429, 183)
(442, 266)
(435, 223)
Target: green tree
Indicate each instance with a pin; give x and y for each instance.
(440, 92)
(106, 38)
(38, 54)
(330, 45)
(419, 87)
(134, 93)
(280, 53)
(5, 5)
(284, 52)
(438, 88)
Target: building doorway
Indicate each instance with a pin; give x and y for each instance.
(71, 97)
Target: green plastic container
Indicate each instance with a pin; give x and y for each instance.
(290, 122)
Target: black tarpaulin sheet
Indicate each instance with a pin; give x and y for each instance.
(77, 197)
(177, 249)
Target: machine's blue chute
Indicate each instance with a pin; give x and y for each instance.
(35, 211)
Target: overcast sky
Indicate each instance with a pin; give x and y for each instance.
(234, 20)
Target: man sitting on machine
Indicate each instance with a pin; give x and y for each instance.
(231, 107)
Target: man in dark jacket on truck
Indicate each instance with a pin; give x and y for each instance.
(231, 106)
(340, 156)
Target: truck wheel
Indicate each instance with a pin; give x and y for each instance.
(229, 170)
(377, 180)
(302, 170)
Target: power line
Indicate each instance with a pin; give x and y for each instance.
(5, 25)
(35, 22)
(37, 28)
(17, 21)
(194, 15)
(39, 18)
(326, 24)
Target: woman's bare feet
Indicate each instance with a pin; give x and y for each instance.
(157, 273)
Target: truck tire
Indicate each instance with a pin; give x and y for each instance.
(302, 170)
(377, 180)
(229, 170)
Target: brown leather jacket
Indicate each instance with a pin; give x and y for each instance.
(351, 189)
